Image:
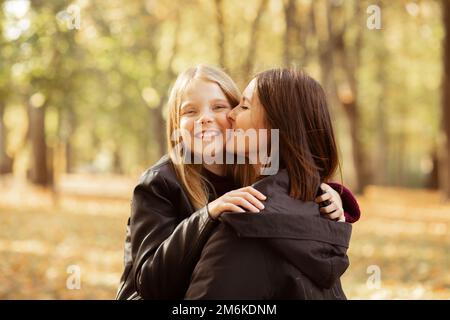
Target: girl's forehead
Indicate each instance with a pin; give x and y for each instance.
(202, 89)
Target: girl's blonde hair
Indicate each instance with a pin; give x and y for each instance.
(190, 174)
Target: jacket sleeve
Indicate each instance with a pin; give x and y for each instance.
(349, 202)
(226, 269)
(163, 248)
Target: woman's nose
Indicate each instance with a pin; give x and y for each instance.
(231, 115)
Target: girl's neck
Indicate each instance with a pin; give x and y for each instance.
(218, 169)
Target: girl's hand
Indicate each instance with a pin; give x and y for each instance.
(334, 210)
(247, 198)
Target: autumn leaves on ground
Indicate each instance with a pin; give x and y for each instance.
(402, 240)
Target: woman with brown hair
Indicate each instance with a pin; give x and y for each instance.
(288, 250)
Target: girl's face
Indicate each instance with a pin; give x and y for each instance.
(245, 118)
(203, 116)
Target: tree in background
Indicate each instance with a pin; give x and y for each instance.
(446, 95)
(6, 161)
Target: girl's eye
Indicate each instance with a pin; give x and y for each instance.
(220, 107)
(244, 107)
(188, 112)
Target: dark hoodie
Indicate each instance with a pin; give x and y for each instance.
(287, 251)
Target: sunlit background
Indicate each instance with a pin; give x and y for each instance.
(83, 88)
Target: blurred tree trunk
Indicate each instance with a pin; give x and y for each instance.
(38, 173)
(254, 37)
(382, 137)
(66, 129)
(117, 161)
(289, 7)
(400, 159)
(432, 181)
(41, 157)
(221, 33)
(5, 161)
(322, 28)
(348, 59)
(305, 30)
(67, 139)
(446, 94)
(299, 26)
(67, 119)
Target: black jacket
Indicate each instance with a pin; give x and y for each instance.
(164, 237)
(287, 251)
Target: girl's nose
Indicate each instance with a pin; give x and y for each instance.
(205, 117)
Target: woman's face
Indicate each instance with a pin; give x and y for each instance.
(203, 116)
(247, 117)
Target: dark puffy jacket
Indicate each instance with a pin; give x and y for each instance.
(287, 251)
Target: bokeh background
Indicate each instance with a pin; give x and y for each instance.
(83, 88)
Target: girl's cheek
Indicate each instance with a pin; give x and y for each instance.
(224, 121)
(256, 120)
(186, 124)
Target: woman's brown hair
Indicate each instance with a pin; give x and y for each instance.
(296, 104)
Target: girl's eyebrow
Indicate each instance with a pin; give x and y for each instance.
(219, 100)
(186, 104)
